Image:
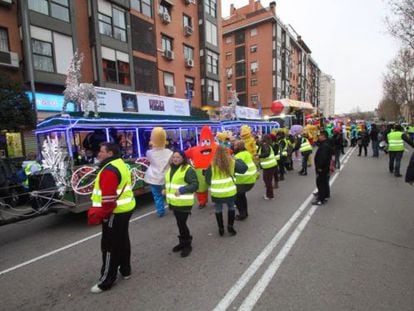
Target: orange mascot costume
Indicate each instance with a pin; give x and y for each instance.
(201, 157)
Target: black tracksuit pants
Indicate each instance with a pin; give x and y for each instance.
(116, 249)
(322, 183)
(241, 199)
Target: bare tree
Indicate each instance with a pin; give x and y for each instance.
(388, 110)
(399, 81)
(401, 24)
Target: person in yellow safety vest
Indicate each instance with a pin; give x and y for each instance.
(395, 140)
(282, 154)
(181, 183)
(410, 131)
(305, 148)
(268, 163)
(220, 175)
(113, 203)
(244, 182)
(30, 167)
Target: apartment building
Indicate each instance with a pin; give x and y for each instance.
(165, 47)
(327, 95)
(264, 60)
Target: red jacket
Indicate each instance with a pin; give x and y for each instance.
(108, 184)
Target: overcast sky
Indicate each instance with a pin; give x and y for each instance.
(348, 40)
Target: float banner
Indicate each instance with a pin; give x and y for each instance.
(247, 113)
(111, 100)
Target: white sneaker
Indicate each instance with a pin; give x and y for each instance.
(266, 198)
(96, 290)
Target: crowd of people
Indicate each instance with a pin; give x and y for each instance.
(228, 169)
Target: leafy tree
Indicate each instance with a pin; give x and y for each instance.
(401, 23)
(16, 111)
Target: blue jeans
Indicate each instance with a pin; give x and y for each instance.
(219, 206)
(395, 156)
(375, 148)
(158, 199)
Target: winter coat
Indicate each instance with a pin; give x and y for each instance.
(323, 157)
(409, 176)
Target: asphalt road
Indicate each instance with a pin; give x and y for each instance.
(354, 253)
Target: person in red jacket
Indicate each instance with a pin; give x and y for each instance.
(113, 203)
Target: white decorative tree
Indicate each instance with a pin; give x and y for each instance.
(229, 112)
(82, 95)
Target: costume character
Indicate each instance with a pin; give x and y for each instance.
(159, 158)
(248, 139)
(201, 157)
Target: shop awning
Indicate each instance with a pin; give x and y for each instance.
(291, 103)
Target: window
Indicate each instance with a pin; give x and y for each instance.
(240, 69)
(239, 37)
(188, 52)
(242, 100)
(189, 84)
(228, 40)
(187, 21)
(55, 8)
(4, 40)
(240, 53)
(165, 8)
(211, 33)
(119, 24)
(115, 66)
(212, 90)
(113, 26)
(253, 82)
(42, 55)
(168, 79)
(212, 62)
(210, 7)
(253, 49)
(109, 70)
(241, 85)
(253, 32)
(142, 6)
(254, 99)
(228, 55)
(166, 43)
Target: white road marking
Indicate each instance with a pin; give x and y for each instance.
(258, 262)
(267, 277)
(64, 248)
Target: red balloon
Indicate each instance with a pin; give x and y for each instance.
(277, 107)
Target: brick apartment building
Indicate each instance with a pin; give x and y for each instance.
(264, 60)
(165, 47)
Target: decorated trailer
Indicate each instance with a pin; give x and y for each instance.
(69, 144)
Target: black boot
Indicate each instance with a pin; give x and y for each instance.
(180, 246)
(219, 218)
(187, 248)
(230, 222)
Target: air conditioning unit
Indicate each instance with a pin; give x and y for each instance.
(166, 18)
(10, 59)
(253, 70)
(187, 2)
(189, 62)
(168, 54)
(188, 31)
(170, 89)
